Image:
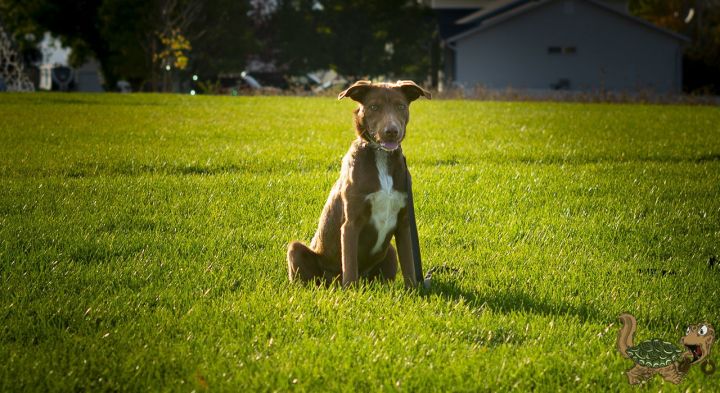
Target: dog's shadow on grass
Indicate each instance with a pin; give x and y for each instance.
(505, 301)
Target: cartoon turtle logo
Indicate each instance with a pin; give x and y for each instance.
(661, 357)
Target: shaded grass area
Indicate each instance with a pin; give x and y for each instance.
(142, 244)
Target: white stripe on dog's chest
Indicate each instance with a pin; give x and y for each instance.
(385, 203)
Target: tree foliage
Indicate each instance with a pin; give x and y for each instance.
(135, 39)
(354, 37)
(700, 21)
(222, 38)
(128, 37)
(74, 21)
(132, 39)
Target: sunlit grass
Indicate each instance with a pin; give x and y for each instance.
(143, 238)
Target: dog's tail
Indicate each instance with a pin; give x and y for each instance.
(626, 333)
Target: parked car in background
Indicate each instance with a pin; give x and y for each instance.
(249, 82)
(267, 80)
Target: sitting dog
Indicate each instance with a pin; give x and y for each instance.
(369, 202)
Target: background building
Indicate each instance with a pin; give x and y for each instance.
(556, 44)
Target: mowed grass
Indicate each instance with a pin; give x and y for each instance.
(143, 239)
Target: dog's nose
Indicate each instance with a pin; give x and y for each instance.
(391, 132)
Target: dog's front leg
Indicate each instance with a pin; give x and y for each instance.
(355, 217)
(349, 242)
(404, 249)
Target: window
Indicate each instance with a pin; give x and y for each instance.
(565, 50)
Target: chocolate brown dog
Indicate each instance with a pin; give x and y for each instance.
(369, 202)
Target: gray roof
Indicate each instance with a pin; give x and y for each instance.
(495, 8)
(485, 19)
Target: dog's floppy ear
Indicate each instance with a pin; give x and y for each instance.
(357, 91)
(412, 91)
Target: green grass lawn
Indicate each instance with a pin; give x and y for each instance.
(143, 239)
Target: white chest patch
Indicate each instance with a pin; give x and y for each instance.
(385, 203)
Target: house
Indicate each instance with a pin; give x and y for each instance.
(540, 45)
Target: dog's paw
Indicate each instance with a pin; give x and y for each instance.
(426, 282)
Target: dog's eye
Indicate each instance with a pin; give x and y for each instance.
(687, 331)
(374, 107)
(703, 330)
(402, 107)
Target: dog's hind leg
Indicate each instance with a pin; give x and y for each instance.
(386, 270)
(303, 263)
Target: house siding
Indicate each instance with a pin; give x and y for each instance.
(612, 52)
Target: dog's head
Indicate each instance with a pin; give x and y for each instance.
(383, 113)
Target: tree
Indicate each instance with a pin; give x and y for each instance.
(354, 37)
(146, 36)
(12, 75)
(29, 19)
(136, 39)
(700, 21)
(223, 38)
(126, 36)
